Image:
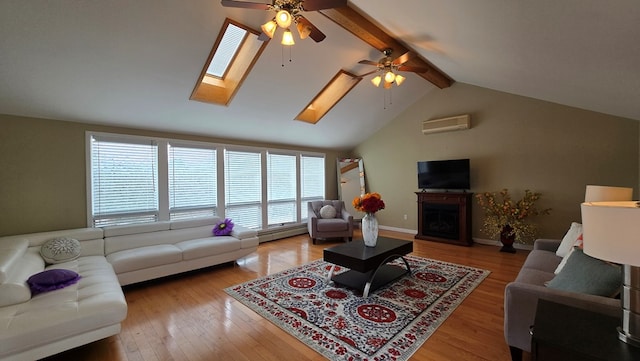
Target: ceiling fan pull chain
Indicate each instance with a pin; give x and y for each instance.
(282, 55)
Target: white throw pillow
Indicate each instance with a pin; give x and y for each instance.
(60, 250)
(569, 239)
(328, 212)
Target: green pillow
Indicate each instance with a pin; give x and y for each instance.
(585, 274)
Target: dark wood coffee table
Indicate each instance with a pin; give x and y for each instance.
(368, 268)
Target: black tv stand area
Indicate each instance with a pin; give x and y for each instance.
(445, 217)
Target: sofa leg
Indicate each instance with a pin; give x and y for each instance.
(313, 240)
(516, 353)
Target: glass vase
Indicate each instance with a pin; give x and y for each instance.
(370, 229)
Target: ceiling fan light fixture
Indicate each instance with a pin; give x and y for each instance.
(376, 80)
(399, 79)
(389, 77)
(269, 28)
(287, 38)
(283, 18)
(303, 30)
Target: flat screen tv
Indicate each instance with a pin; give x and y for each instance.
(444, 174)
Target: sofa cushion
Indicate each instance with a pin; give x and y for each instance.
(15, 289)
(327, 212)
(542, 260)
(94, 302)
(332, 225)
(534, 276)
(51, 279)
(209, 246)
(58, 250)
(223, 228)
(10, 252)
(144, 257)
(569, 239)
(585, 274)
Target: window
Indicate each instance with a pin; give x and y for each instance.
(312, 181)
(281, 188)
(192, 182)
(135, 179)
(243, 187)
(124, 182)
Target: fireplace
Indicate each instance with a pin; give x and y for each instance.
(445, 217)
(441, 220)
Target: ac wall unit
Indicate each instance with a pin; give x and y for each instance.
(446, 124)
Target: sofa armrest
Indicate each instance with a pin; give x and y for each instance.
(241, 232)
(521, 301)
(547, 244)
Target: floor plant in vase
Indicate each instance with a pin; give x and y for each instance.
(369, 203)
(508, 219)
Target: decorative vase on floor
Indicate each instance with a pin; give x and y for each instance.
(370, 229)
(507, 239)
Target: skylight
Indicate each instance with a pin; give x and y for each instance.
(234, 53)
(227, 49)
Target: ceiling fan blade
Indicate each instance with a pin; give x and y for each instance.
(264, 37)
(315, 34)
(245, 4)
(402, 58)
(313, 5)
(365, 74)
(387, 85)
(368, 62)
(413, 69)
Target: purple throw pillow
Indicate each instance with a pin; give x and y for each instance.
(223, 228)
(52, 279)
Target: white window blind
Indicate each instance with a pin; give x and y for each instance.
(281, 188)
(243, 187)
(192, 182)
(124, 182)
(312, 181)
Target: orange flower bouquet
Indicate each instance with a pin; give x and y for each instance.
(368, 203)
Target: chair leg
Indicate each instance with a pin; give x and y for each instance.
(516, 353)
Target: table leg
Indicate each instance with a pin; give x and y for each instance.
(367, 286)
(333, 268)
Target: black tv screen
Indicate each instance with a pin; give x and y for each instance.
(444, 174)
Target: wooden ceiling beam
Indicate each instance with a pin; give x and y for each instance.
(370, 33)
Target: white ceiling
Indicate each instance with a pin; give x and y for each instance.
(135, 63)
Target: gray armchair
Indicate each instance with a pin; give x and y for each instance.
(339, 226)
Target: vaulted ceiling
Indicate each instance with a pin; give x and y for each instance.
(135, 63)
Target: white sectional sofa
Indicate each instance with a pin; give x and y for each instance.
(33, 327)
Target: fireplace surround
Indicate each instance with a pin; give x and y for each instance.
(445, 217)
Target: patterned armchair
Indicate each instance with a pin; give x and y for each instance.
(329, 219)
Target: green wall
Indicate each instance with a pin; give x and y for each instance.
(43, 171)
(514, 142)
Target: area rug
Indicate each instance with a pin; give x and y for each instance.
(390, 324)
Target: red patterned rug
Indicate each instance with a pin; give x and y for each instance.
(390, 324)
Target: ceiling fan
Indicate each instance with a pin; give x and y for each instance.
(288, 11)
(389, 68)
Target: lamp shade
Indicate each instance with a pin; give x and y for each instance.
(269, 28)
(303, 30)
(595, 193)
(287, 38)
(283, 18)
(611, 231)
(376, 80)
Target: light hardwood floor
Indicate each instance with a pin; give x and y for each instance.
(190, 317)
